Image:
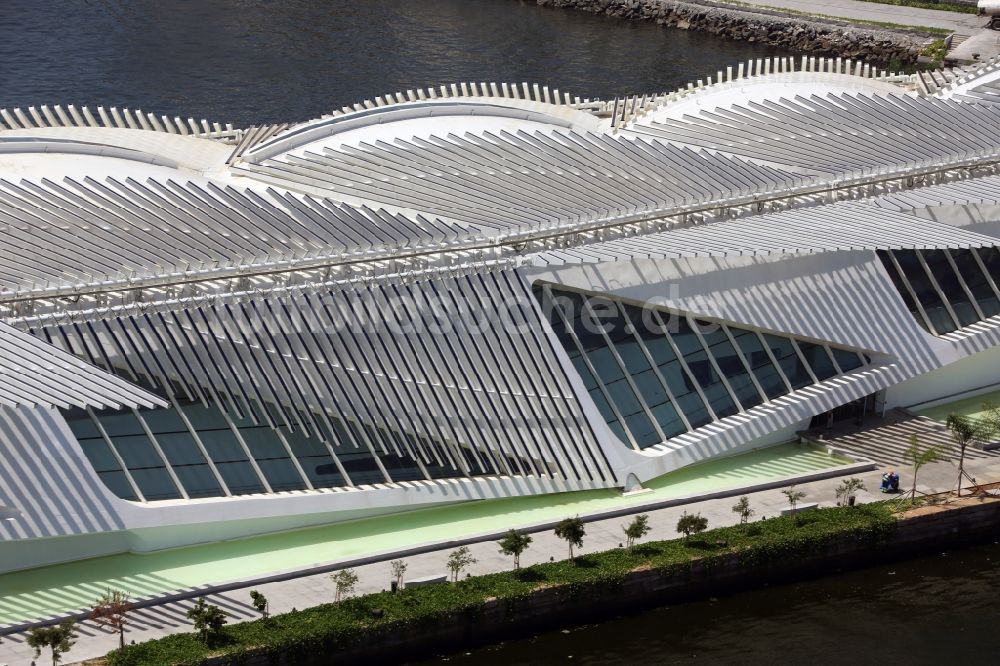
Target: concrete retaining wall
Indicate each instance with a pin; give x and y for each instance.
(564, 606)
(814, 35)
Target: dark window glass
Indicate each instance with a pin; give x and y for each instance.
(899, 282)
(163, 420)
(711, 384)
(784, 352)
(922, 286)
(80, 423)
(605, 364)
(619, 431)
(589, 382)
(947, 279)
(670, 421)
(116, 482)
(817, 358)
(206, 418)
(179, 448)
(603, 406)
(222, 445)
(401, 468)
(99, 455)
(361, 467)
(281, 474)
(731, 365)
(642, 429)
(976, 280)
(624, 397)
(680, 383)
(137, 451)
(760, 363)
(119, 423)
(198, 480)
(315, 460)
(240, 477)
(155, 483)
(847, 360)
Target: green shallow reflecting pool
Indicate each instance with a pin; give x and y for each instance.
(62, 588)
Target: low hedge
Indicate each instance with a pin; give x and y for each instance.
(330, 627)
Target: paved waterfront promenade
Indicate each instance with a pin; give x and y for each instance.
(856, 10)
(601, 535)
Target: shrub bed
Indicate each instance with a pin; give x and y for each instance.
(328, 628)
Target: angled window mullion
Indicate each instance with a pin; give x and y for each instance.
(246, 450)
(294, 459)
(938, 290)
(332, 436)
(913, 295)
(715, 364)
(683, 363)
(986, 271)
(964, 285)
(114, 452)
(803, 360)
(656, 369)
(156, 445)
(621, 364)
(597, 378)
(746, 363)
(362, 434)
(774, 361)
(833, 357)
(200, 445)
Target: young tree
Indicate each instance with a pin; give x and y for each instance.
(572, 531)
(344, 581)
(398, 571)
(59, 638)
(111, 611)
(918, 457)
(847, 489)
(964, 431)
(260, 602)
(514, 543)
(742, 507)
(207, 619)
(689, 524)
(793, 496)
(459, 560)
(638, 528)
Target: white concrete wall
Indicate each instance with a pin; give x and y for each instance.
(965, 375)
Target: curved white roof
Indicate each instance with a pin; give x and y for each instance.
(114, 212)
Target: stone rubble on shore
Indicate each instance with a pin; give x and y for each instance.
(824, 37)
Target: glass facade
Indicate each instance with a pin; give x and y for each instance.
(191, 451)
(655, 375)
(946, 290)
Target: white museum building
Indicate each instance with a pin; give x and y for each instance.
(474, 291)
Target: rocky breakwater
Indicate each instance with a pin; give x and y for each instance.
(821, 36)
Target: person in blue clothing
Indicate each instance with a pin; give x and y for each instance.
(890, 482)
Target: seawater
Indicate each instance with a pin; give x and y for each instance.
(256, 61)
(939, 610)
